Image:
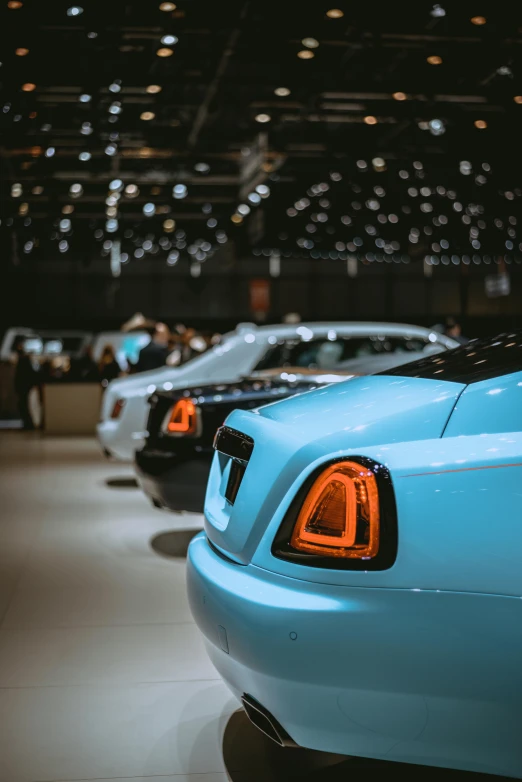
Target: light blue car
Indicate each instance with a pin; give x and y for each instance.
(359, 580)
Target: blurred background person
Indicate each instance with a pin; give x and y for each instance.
(154, 355)
(85, 369)
(108, 367)
(453, 329)
(25, 379)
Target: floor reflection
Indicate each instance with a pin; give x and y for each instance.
(174, 543)
(245, 747)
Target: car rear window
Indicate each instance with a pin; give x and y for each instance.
(480, 359)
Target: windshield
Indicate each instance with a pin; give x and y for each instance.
(324, 353)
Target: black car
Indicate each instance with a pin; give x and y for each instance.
(173, 466)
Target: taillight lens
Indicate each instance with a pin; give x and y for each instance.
(340, 516)
(118, 407)
(183, 418)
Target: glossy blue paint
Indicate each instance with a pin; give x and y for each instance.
(418, 663)
(491, 406)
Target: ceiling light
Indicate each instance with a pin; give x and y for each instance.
(75, 10)
(167, 7)
(437, 11)
(49, 152)
(379, 164)
(263, 118)
(116, 184)
(305, 54)
(179, 191)
(236, 219)
(38, 190)
(111, 150)
(202, 168)
(282, 92)
(149, 209)
(86, 129)
(153, 88)
(65, 225)
(21, 51)
(263, 190)
(164, 52)
(310, 43)
(132, 190)
(13, 4)
(436, 127)
(76, 190)
(370, 120)
(399, 96)
(84, 156)
(28, 86)
(480, 124)
(518, 98)
(115, 86)
(254, 198)
(111, 226)
(147, 115)
(85, 97)
(16, 190)
(434, 59)
(92, 35)
(478, 20)
(68, 209)
(335, 13)
(169, 40)
(169, 225)
(115, 108)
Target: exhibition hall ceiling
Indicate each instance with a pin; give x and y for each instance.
(302, 127)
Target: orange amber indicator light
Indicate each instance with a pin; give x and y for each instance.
(183, 418)
(340, 515)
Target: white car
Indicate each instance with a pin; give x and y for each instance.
(251, 349)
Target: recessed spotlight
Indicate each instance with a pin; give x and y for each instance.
(480, 124)
(167, 7)
(436, 127)
(85, 97)
(236, 219)
(86, 129)
(115, 86)
(263, 117)
(335, 13)
(434, 59)
(21, 51)
(68, 209)
(111, 150)
(115, 107)
(399, 96)
(165, 52)
(153, 89)
(202, 168)
(518, 98)
(132, 191)
(179, 191)
(370, 120)
(76, 190)
(437, 11)
(14, 4)
(75, 10)
(169, 40)
(305, 54)
(310, 43)
(84, 156)
(147, 115)
(149, 209)
(282, 92)
(38, 190)
(116, 184)
(169, 225)
(49, 152)
(478, 20)
(28, 87)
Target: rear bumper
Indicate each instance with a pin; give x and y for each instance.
(114, 443)
(419, 677)
(172, 482)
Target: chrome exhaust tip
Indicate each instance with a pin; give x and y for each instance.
(265, 722)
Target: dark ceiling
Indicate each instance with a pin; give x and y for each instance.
(367, 94)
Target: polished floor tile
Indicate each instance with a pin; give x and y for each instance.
(103, 674)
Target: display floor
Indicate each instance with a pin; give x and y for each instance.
(103, 675)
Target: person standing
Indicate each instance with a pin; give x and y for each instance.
(154, 355)
(25, 379)
(108, 367)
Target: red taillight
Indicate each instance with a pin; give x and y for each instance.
(118, 407)
(340, 515)
(183, 418)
